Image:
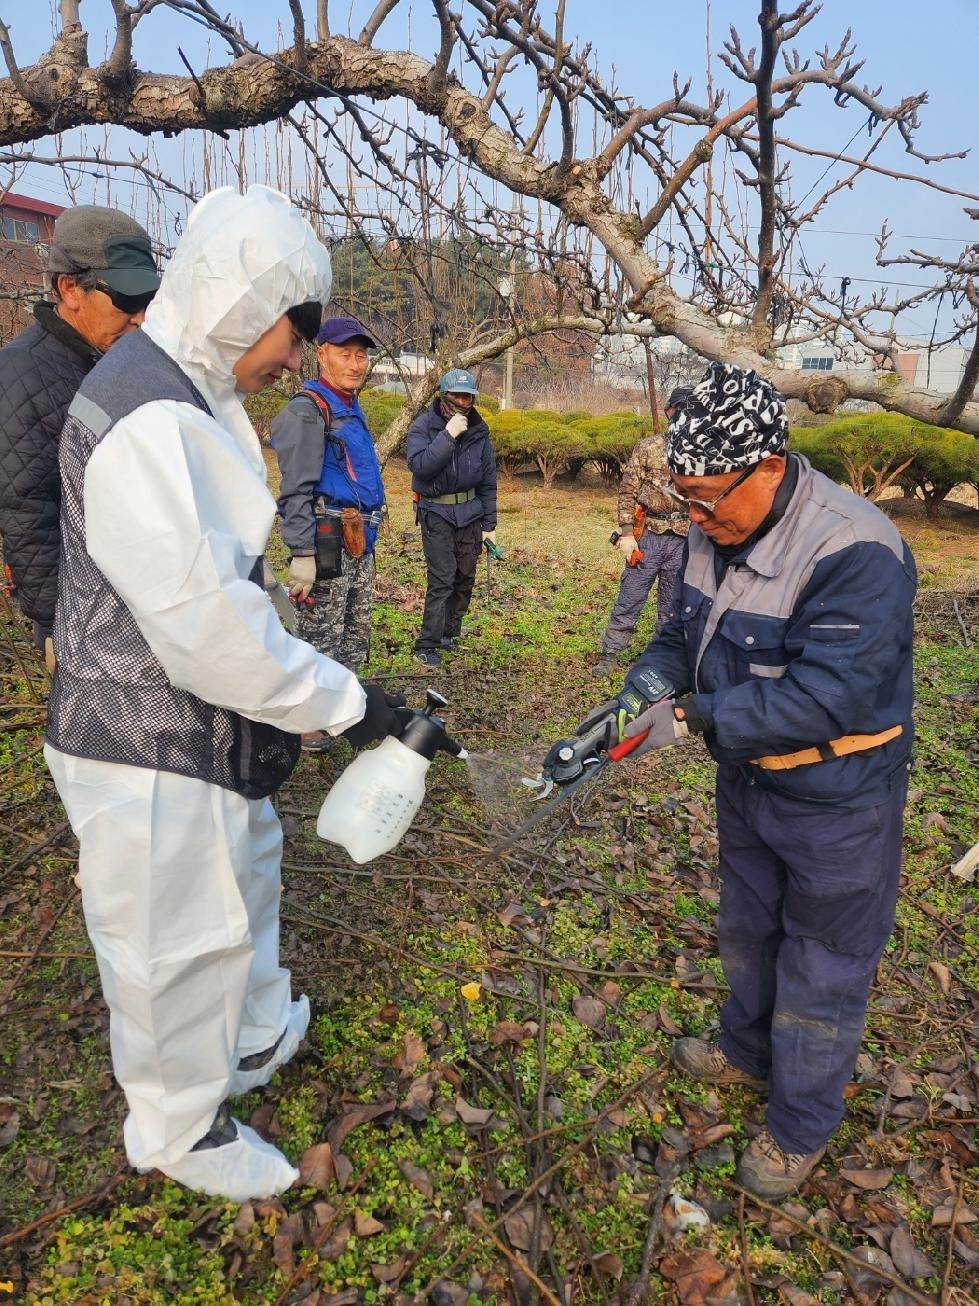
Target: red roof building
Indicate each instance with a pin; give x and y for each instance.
(25, 225)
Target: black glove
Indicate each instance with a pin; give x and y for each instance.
(385, 714)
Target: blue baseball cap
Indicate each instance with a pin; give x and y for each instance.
(341, 330)
(458, 382)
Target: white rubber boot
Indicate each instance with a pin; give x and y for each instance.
(243, 1081)
(248, 1167)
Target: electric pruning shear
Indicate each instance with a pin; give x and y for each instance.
(570, 762)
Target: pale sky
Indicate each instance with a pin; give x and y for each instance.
(908, 47)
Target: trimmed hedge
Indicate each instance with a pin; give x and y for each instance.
(871, 452)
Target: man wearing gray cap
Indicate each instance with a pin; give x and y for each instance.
(790, 652)
(650, 537)
(331, 499)
(102, 277)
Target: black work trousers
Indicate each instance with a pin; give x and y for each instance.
(451, 555)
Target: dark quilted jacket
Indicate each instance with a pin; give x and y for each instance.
(39, 374)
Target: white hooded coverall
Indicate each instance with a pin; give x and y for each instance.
(180, 878)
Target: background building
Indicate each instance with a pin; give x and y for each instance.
(25, 230)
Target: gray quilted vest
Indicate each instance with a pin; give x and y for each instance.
(111, 699)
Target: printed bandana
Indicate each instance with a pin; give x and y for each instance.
(732, 419)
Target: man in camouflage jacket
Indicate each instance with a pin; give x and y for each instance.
(652, 526)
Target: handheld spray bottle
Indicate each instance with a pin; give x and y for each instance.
(375, 799)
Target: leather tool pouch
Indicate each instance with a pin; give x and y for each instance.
(352, 526)
(329, 550)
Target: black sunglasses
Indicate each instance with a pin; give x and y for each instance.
(131, 304)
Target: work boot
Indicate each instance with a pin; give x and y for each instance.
(232, 1161)
(768, 1171)
(604, 666)
(706, 1062)
(428, 657)
(316, 741)
(256, 1070)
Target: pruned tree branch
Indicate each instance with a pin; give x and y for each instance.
(617, 208)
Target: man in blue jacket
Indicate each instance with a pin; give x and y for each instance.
(331, 499)
(790, 652)
(453, 478)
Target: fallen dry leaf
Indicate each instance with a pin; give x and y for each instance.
(710, 1134)
(389, 1273)
(909, 1262)
(867, 1179)
(417, 1102)
(333, 1247)
(282, 1253)
(9, 1129)
(411, 1055)
(795, 1296)
(344, 1125)
(667, 1024)
(590, 1011)
(472, 1115)
(316, 1167)
(966, 1246)
(609, 1264)
(508, 1031)
(513, 914)
(873, 1258)
(696, 1273)
(900, 1085)
(942, 974)
(942, 1216)
(365, 1226)
(40, 1170)
(519, 1226)
(418, 1178)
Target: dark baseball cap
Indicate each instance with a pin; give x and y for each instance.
(679, 395)
(341, 330)
(90, 238)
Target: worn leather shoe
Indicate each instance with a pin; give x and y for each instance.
(770, 1172)
(706, 1062)
(604, 666)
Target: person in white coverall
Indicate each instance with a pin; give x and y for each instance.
(179, 697)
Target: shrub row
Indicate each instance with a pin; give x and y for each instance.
(868, 452)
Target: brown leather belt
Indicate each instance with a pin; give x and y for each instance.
(826, 752)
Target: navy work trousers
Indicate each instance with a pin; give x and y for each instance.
(451, 556)
(661, 558)
(807, 905)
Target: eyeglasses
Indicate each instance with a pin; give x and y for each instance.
(130, 304)
(706, 505)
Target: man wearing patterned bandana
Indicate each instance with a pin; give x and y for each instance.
(790, 652)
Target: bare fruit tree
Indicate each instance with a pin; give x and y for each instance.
(505, 138)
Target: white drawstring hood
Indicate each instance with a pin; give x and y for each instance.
(243, 261)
